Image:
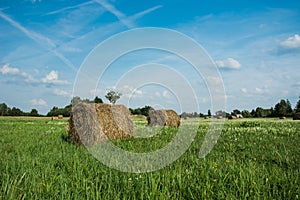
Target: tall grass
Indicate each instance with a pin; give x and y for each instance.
(253, 159)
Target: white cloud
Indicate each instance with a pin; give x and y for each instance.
(258, 90)
(15, 71)
(9, 70)
(244, 90)
(52, 78)
(166, 94)
(214, 80)
(53, 75)
(140, 92)
(38, 102)
(63, 93)
(262, 90)
(28, 78)
(292, 42)
(228, 63)
(129, 91)
(202, 99)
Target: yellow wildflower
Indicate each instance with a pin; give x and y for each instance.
(215, 165)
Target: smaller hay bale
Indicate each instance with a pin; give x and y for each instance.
(60, 116)
(91, 123)
(163, 118)
(282, 117)
(296, 116)
(54, 118)
(173, 118)
(232, 117)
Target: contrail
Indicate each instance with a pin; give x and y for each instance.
(69, 7)
(47, 43)
(32, 35)
(140, 14)
(40, 39)
(133, 17)
(122, 18)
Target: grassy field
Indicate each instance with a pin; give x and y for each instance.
(253, 159)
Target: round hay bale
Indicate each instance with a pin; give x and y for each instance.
(173, 118)
(296, 116)
(232, 117)
(157, 118)
(163, 118)
(91, 124)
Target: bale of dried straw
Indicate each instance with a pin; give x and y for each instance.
(91, 124)
(232, 117)
(163, 118)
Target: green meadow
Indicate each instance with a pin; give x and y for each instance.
(253, 159)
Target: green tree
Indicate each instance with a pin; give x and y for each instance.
(53, 111)
(183, 115)
(113, 96)
(253, 113)
(209, 113)
(4, 109)
(246, 114)
(259, 112)
(297, 108)
(98, 100)
(141, 111)
(283, 108)
(15, 112)
(289, 109)
(235, 112)
(34, 112)
(145, 110)
(221, 113)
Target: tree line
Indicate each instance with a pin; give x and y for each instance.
(282, 109)
(7, 111)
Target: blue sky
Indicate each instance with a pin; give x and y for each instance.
(255, 45)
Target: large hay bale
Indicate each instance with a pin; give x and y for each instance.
(163, 118)
(94, 123)
(296, 116)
